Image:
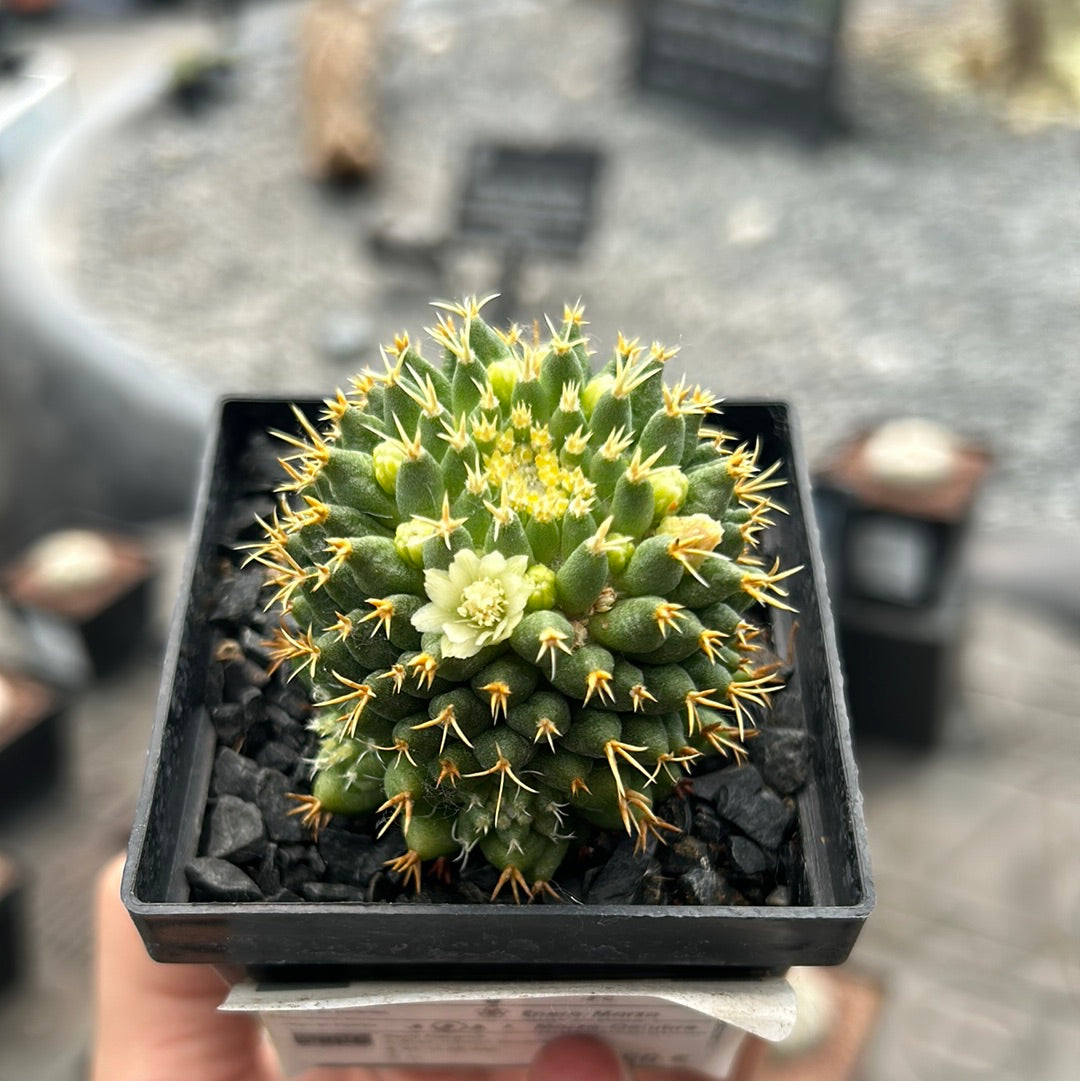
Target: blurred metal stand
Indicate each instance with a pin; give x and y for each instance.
(895, 507)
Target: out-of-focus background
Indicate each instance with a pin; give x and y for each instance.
(870, 210)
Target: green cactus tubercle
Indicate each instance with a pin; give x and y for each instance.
(514, 591)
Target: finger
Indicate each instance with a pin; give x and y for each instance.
(427, 1073)
(744, 1068)
(161, 1021)
(577, 1058)
(671, 1075)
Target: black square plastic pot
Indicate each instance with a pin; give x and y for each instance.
(831, 899)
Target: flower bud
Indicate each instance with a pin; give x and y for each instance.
(594, 390)
(503, 377)
(542, 580)
(409, 540)
(387, 458)
(697, 530)
(669, 487)
(619, 553)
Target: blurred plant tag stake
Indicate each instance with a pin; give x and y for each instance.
(696, 1025)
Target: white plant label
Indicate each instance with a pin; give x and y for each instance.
(891, 558)
(697, 1026)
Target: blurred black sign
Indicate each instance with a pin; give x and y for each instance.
(771, 59)
(530, 199)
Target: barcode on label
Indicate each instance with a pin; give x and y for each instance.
(333, 1039)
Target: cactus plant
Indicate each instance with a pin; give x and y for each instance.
(516, 591)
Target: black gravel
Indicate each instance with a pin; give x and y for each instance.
(782, 756)
(219, 880)
(236, 832)
(745, 801)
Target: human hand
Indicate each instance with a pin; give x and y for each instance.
(157, 1022)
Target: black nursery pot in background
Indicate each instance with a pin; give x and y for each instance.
(831, 896)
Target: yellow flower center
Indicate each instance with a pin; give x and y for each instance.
(529, 476)
(483, 602)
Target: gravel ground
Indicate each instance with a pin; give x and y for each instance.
(926, 264)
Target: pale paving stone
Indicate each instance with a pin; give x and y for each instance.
(950, 1026)
(1041, 836)
(921, 809)
(1023, 657)
(1062, 1051)
(977, 930)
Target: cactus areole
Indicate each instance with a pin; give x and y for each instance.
(515, 588)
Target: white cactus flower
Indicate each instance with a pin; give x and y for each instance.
(478, 601)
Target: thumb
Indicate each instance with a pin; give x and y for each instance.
(577, 1058)
(161, 1020)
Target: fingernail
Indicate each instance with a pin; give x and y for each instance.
(578, 1058)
